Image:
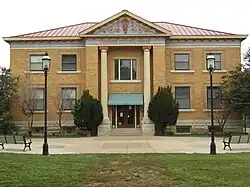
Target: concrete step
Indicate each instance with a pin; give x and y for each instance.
(126, 132)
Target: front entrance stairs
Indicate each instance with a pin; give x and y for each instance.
(126, 132)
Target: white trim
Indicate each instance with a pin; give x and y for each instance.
(210, 37)
(125, 81)
(131, 69)
(125, 35)
(118, 41)
(187, 110)
(182, 71)
(7, 39)
(45, 48)
(64, 111)
(135, 116)
(215, 71)
(201, 46)
(68, 72)
(116, 119)
(34, 72)
(39, 111)
(209, 110)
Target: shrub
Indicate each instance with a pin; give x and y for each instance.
(163, 110)
(87, 113)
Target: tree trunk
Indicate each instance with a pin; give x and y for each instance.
(94, 131)
(159, 131)
(60, 122)
(29, 126)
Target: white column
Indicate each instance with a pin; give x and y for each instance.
(147, 83)
(104, 82)
(104, 128)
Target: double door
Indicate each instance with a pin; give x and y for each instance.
(125, 116)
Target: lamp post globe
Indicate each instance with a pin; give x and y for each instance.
(46, 63)
(210, 67)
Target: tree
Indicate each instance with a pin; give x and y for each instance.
(8, 91)
(163, 110)
(61, 106)
(247, 57)
(222, 115)
(87, 113)
(235, 88)
(27, 102)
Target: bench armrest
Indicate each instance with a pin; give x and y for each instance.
(28, 140)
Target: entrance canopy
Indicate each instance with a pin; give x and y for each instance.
(125, 99)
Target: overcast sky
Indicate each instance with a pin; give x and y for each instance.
(19, 17)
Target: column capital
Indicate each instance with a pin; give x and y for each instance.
(103, 49)
(146, 48)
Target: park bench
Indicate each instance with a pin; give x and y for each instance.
(235, 139)
(15, 139)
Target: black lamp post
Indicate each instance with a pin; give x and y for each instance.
(210, 66)
(46, 63)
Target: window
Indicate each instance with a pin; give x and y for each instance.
(182, 95)
(181, 61)
(68, 98)
(68, 62)
(183, 129)
(36, 63)
(125, 69)
(37, 98)
(217, 62)
(216, 98)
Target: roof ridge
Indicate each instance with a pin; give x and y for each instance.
(88, 22)
(194, 27)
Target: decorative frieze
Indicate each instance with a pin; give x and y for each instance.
(125, 41)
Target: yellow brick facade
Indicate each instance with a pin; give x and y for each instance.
(91, 50)
(87, 75)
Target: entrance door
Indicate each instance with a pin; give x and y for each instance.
(125, 116)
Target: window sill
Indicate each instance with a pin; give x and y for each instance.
(68, 72)
(125, 81)
(215, 71)
(187, 110)
(39, 112)
(209, 110)
(64, 111)
(182, 71)
(34, 72)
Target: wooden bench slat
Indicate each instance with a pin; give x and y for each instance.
(19, 139)
(10, 139)
(244, 139)
(235, 139)
(2, 139)
(15, 139)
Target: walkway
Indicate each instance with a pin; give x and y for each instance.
(128, 144)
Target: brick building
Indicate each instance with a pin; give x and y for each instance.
(122, 60)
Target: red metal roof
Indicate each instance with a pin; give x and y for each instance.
(176, 30)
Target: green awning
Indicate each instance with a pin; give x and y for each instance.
(125, 99)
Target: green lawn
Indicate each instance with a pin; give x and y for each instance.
(125, 170)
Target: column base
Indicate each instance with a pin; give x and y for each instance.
(147, 126)
(105, 127)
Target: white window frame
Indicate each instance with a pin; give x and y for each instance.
(208, 100)
(189, 96)
(35, 99)
(62, 99)
(30, 62)
(131, 69)
(176, 62)
(69, 63)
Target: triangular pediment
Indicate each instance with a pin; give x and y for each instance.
(125, 23)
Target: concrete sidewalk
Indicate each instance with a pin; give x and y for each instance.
(128, 144)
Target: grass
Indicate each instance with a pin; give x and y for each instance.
(125, 170)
